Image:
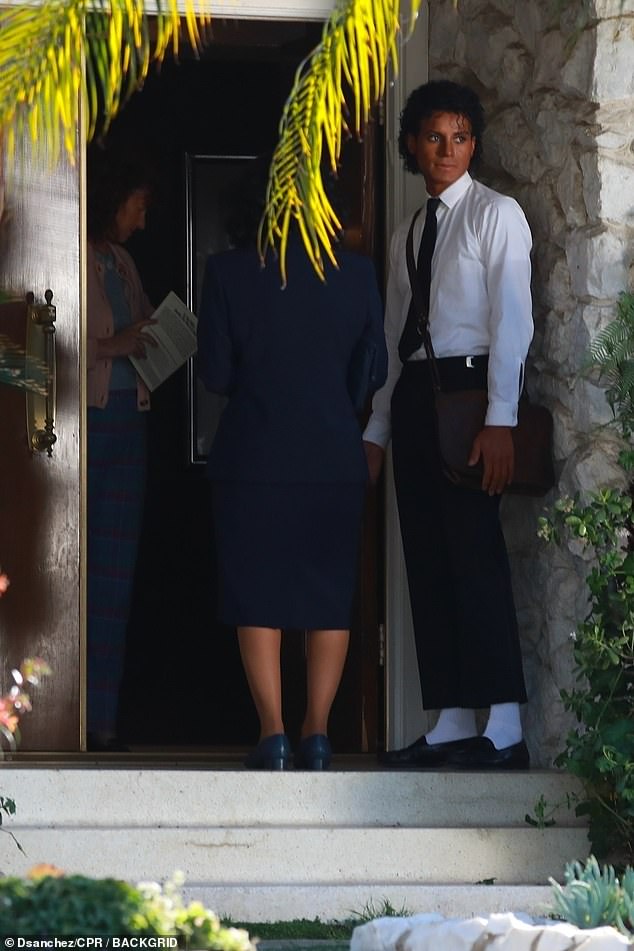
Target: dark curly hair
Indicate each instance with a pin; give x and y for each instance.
(439, 95)
(112, 176)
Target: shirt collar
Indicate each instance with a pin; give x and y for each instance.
(454, 192)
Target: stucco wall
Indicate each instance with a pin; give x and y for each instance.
(557, 82)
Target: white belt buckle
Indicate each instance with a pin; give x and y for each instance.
(469, 362)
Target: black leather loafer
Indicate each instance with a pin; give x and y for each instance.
(314, 752)
(480, 753)
(421, 754)
(273, 752)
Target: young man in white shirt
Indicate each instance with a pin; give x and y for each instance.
(480, 322)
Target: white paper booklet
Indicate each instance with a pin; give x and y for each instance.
(175, 334)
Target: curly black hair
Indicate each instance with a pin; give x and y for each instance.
(439, 95)
(112, 177)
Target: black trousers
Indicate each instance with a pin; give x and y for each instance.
(458, 572)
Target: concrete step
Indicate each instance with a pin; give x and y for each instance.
(251, 903)
(112, 797)
(264, 846)
(301, 856)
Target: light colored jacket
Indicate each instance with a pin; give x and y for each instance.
(101, 322)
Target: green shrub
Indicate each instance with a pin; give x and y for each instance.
(600, 751)
(75, 906)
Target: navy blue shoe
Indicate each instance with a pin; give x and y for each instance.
(314, 752)
(273, 752)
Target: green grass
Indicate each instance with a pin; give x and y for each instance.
(303, 929)
(299, 929)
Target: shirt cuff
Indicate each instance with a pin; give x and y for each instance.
(501, 414)
(377, 431)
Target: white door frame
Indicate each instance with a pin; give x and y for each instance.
(261, 9)
(405, 718)
(404, 714)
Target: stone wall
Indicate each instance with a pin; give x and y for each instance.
(557, 81)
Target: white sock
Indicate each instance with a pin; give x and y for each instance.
(454, 723)
(504, 727)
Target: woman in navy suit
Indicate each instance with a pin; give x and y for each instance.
(287, 467)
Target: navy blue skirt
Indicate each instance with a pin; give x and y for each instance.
(287, 554)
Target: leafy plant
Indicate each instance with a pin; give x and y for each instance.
(72, 906)
(17, 702)
(16, 370)
(382, 909)
(594, 896)
(601, 750)
(13, 705)
(613, 353)
(543, 816)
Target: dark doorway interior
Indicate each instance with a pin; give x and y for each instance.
(184, 684)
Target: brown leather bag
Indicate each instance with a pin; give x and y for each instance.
(460, 416)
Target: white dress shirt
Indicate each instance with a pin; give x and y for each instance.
(480, 298)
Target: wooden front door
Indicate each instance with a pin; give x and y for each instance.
(40, 495)
(179, 657)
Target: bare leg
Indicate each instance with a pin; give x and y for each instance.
(260, 652)
(326, 656)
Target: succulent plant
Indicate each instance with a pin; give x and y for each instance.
(593, 896)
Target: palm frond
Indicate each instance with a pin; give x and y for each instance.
(343, 77)
(43, 49)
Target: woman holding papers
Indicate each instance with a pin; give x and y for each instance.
(117, 311)
(287, 466)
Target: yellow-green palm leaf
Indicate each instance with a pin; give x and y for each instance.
(345, 75)
(55, 53)
(58, 53)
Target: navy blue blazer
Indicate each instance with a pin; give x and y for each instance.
(282, 358)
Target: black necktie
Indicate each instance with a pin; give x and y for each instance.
(411, 338)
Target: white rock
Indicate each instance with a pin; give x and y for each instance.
(569, 192)
(608, 189)
(385, 933)
(501, 932)
(598, 260)
(611, 8)
(613, 73)
(549, 59)
(450, 935)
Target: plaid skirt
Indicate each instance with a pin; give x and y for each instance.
(117, 447)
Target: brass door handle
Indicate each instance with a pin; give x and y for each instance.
(40, 347)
